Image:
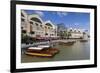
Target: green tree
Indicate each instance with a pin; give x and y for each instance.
(61, 30)
(84, 34)
(24, 38)
(68, 34)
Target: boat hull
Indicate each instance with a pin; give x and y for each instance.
(66, 43)
(83, 40)
(42, 53)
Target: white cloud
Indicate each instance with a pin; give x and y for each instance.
(61, 14)
(76, 24)
(40, 13)
(64, 13)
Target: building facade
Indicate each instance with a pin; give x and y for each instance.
(35, 27)
(77, 33)
(50, 29)
(25, 26)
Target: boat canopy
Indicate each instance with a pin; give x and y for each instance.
(44, 46)
(35, 48)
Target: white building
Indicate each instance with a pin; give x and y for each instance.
(77, 33)
(50, 29)
(25, 26)
(34, 26)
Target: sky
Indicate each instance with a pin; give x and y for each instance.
(77, 20)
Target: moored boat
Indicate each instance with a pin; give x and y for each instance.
(67, 43)
(42, 51)
(83, 40)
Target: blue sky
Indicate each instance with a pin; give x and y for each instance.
(70, 19)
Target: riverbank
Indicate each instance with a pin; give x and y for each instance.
(48, 42)
(77, 51)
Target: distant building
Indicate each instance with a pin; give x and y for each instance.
(77, 33)
(61, 29)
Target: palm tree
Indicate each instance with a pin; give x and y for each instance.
(69, 34)
(84, 35)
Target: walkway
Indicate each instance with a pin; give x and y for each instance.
(46, 42)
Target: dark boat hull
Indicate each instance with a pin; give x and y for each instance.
(42, 53)
(66, 43)
(83, 40)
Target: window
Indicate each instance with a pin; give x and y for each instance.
(48, 27)
(31, 22)
(22, 14)
(36, 24)
(22, 28)
(22, 19)
(45, 27)
(36, 19)
(79, 32)
(40, 25)
(46, 33)
(32, 32)
(70, 29)
(48, 24)
(23, 31)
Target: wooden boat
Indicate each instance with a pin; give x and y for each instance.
(43, 51)
(44, 46)
(67, 43)
(83, 40)
(38, 54)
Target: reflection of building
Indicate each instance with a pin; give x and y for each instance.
(33, 26)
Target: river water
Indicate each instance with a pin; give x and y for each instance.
(77, 51)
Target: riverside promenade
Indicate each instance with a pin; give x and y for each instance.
(47, 42)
